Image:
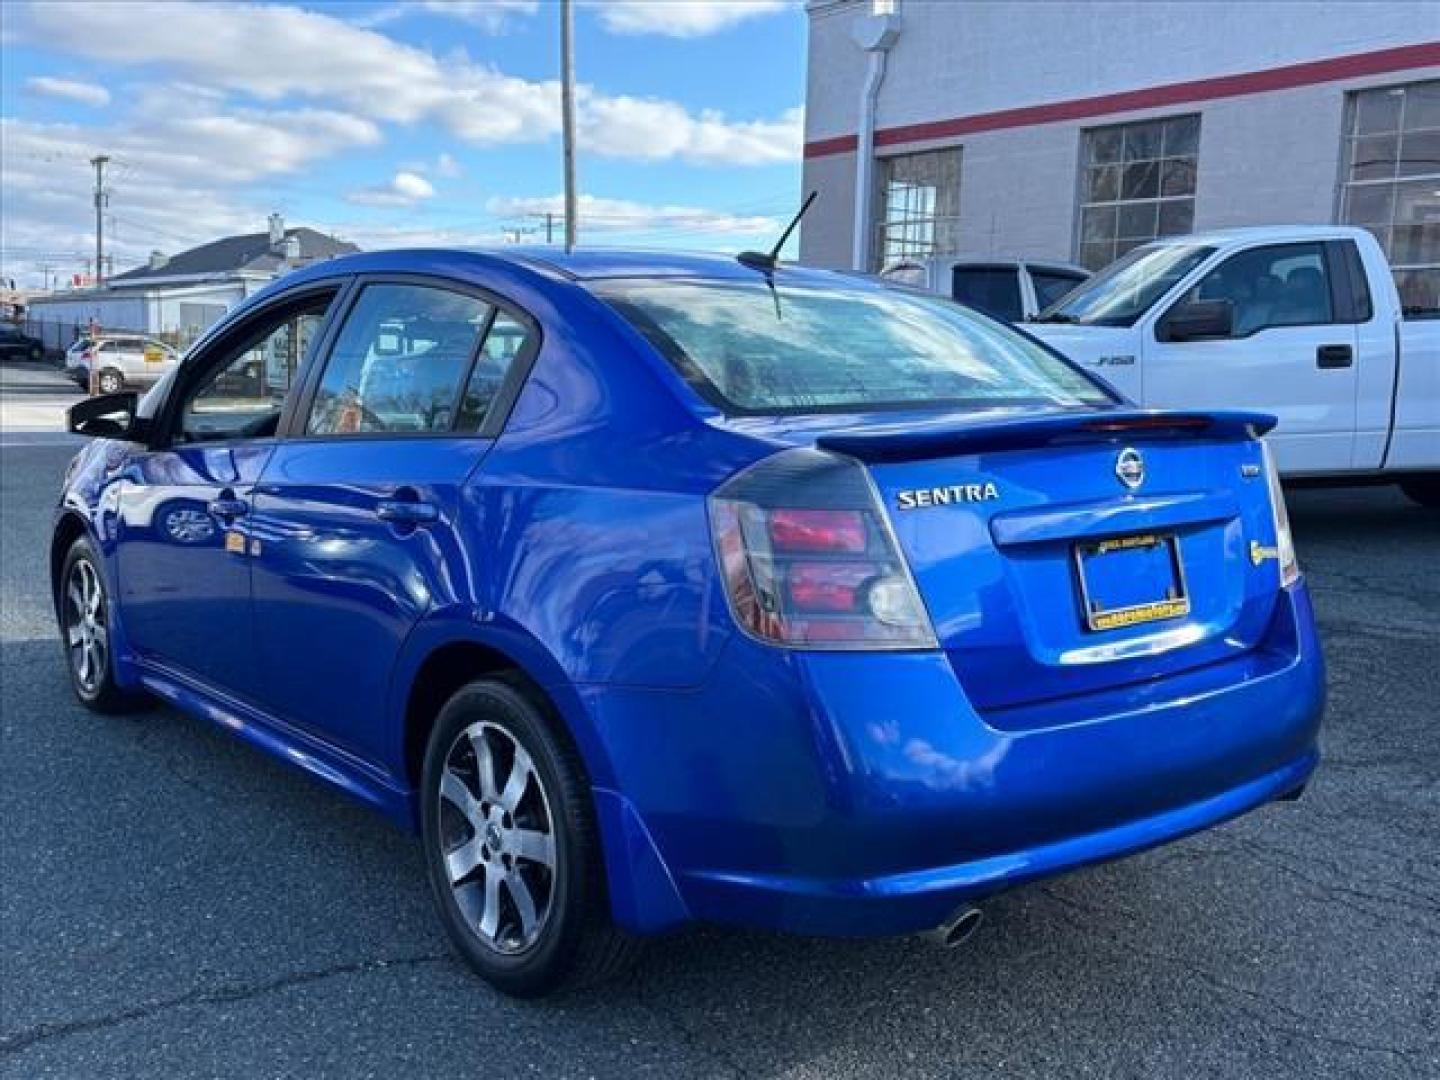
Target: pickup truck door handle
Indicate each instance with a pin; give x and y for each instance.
(1334, 356)
(227, 507)
(407, 511)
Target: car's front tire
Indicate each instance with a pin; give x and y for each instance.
(511, 845)
(86, 632)
(1424, 490)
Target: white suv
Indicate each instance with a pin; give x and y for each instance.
(120, 360)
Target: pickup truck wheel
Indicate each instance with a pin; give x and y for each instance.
(1425, 490)
(511, 845)
(111, 381)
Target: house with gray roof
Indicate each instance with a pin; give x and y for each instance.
(177, 297)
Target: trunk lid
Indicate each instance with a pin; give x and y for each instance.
(1062, 554)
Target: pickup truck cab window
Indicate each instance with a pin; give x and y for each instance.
(1283, 285)
(1052, 285)
(994, 290)
(1129, 287)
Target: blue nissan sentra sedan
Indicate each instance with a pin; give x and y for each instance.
(653, 589)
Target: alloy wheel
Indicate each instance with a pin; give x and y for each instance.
(497, 839)
(86, 635)
(111, 383)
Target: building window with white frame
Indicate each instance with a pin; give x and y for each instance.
(1137, 182)
(1392, 184)
(919, 206)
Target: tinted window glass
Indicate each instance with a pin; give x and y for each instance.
(994, 290)
(506, 339)
(243, 397)
(1285, 285)
(1051, 286)
(398, 362)
(809, 349)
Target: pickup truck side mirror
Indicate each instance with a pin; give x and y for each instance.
(1198, 320)
(107, 416)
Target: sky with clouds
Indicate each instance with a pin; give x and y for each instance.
(393, 123)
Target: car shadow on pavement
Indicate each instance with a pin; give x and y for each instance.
(214, 874)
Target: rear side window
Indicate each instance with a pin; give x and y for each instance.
(399, 362)
(994, 290)
(1051, 286)
(507, 341)
(753, 349)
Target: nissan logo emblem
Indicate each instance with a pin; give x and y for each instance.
(1130, 468)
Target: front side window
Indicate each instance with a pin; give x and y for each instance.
(1126, 289)
(399, 362)
(244, 395)
(815, 349)
(1137, 183)
(994, 290)
(1392, 184)
(918, 209)
(1283, 285)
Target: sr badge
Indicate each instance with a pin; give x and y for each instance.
(918, 498)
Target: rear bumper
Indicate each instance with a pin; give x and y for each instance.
(863, 794)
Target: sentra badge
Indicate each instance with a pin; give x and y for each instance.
(919, 498)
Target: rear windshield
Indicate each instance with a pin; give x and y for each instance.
(750, 349)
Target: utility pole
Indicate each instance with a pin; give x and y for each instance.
(101, 200)
(567, 114)
(549, 227)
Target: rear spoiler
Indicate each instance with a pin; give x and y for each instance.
(956, 433)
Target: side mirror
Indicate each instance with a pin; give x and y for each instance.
(107, 416)
(1198, 320)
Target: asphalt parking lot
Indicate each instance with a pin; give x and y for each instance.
(175, 904)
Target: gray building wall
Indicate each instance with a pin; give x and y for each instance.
(1271, 157)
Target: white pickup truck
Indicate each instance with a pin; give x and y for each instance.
(1304, 323)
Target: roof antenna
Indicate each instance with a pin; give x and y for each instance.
(766, 262)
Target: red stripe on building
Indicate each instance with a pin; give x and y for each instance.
(1311, 73)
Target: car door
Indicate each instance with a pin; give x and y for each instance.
(1290, 352)
(359, 514)
(183, 505)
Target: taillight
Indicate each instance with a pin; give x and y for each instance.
(809, 560)
(1284, 542)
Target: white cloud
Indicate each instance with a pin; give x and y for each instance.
(447, 167)
(598, 214)
(86, 93)
(680, 18)
(492, 16)
(652, 129)
(404, 189)
(273, 52)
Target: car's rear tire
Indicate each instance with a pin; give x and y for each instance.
(514, 860)
(110, 381)
(86, 633)
(1425, 490)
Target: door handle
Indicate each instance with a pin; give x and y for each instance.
(1334, 356)
(228, 507)
(407, 511)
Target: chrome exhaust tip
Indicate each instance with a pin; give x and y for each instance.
(957, 929)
